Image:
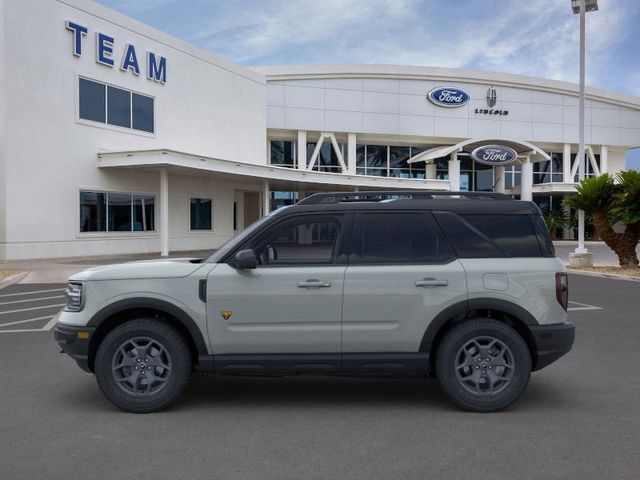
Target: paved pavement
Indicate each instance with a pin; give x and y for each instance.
(579, 419)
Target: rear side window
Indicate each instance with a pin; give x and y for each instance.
(397, 238)
(514, 234)
(544, 239)
(482, 236)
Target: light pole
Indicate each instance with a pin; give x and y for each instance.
(581, 7)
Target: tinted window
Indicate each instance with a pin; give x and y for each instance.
(143, 213)
(200, 214)
(119, 205)
(301, 242)
(467, 241)
(118, 107)
(399, 238)
(93, 212)
(544, 239)
(142, 112)
(92, 101)
(514, 234)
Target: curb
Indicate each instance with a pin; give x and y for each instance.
(612, 276)
(12, 279)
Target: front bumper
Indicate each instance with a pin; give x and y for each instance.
(552, 342)
(74, 341)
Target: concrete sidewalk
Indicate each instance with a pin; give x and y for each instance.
(58, 270)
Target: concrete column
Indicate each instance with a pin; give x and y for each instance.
(266, 198)
(566, 164)
(498, 179)
(302, 150)
(351, 153)
(432, 171)
(454, 173)
(526, 181)
(164, 212)
(604, 159)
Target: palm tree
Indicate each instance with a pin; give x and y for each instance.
(555, 220)
(609, 202)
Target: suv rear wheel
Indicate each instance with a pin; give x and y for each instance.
(483, 365)
(143, 365)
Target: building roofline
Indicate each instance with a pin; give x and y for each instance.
(118, 19)
(412, 72)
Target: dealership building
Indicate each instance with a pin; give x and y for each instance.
(118, 138)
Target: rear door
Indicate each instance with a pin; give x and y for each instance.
(401, 274)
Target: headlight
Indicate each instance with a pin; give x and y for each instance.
(75, 301)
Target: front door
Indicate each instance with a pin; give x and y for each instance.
(292, 302)
(401, 275)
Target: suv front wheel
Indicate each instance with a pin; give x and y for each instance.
(483, 365)
(143, 365)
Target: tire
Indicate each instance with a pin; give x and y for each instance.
(471, 365)
(143, 365)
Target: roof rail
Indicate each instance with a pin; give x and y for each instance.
(379, 196)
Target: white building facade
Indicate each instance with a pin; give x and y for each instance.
(117, 138)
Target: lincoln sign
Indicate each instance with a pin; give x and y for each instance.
(494, 155)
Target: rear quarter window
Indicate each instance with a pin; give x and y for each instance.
(491, 235)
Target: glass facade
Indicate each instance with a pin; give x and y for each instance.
(116, 212)
(103, 103)
(327, 160)
(548, 171)
(283, 153)
(389, 161)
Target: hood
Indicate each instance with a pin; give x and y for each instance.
(173, 268)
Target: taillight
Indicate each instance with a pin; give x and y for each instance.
(562, 289)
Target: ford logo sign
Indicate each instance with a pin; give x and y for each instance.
(494, 155)
(448, 97)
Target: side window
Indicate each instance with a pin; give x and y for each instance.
(396, 237)
(467, 241)
(514, 234)
(306, 241)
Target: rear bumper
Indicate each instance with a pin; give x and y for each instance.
(552, 342)
(74, 345)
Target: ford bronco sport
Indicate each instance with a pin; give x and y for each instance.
(461, 286)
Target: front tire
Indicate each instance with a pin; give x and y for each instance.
(143, 365)
(483, 365)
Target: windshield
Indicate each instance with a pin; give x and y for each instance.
(230, 244)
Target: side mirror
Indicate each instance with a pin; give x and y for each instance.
(246, 260)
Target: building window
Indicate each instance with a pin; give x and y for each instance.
(327, 160)
(389, 161)
(111, 105)
(283, 153)
(201, 213)
(548, 171)
(116, 212)
(512, 176)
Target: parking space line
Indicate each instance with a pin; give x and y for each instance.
(583, 306)
(31, 300)
(33, 308)
(50, 323)
(21, 331)
(26, 321)
(32, 292)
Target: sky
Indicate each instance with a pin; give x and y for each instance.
(529, 37)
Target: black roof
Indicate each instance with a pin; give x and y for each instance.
(458, 202)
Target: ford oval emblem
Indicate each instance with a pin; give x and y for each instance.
(448, 97)
(494, 155)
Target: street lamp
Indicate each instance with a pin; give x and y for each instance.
(580, 7)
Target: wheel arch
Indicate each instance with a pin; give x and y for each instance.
(502, 310)
(119, 312)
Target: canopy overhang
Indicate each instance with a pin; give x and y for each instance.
(524, 149)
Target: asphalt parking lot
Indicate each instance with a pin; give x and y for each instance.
(579, 419)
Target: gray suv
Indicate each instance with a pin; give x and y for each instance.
(463, 287)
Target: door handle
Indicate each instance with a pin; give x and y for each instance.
(313, 283)
(432, 282)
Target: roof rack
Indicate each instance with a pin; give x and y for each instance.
(379, 196)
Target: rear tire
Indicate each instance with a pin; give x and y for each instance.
(143, 365)
(483, 365)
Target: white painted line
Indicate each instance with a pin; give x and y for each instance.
(21, 331)
(25, 321)
(33, 308)
(583, 306)
(32, 300)
(30, 293)
(51, 323)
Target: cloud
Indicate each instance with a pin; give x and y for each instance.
(533, 37)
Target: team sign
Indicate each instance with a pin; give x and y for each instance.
(494, 155)
(156, 64)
